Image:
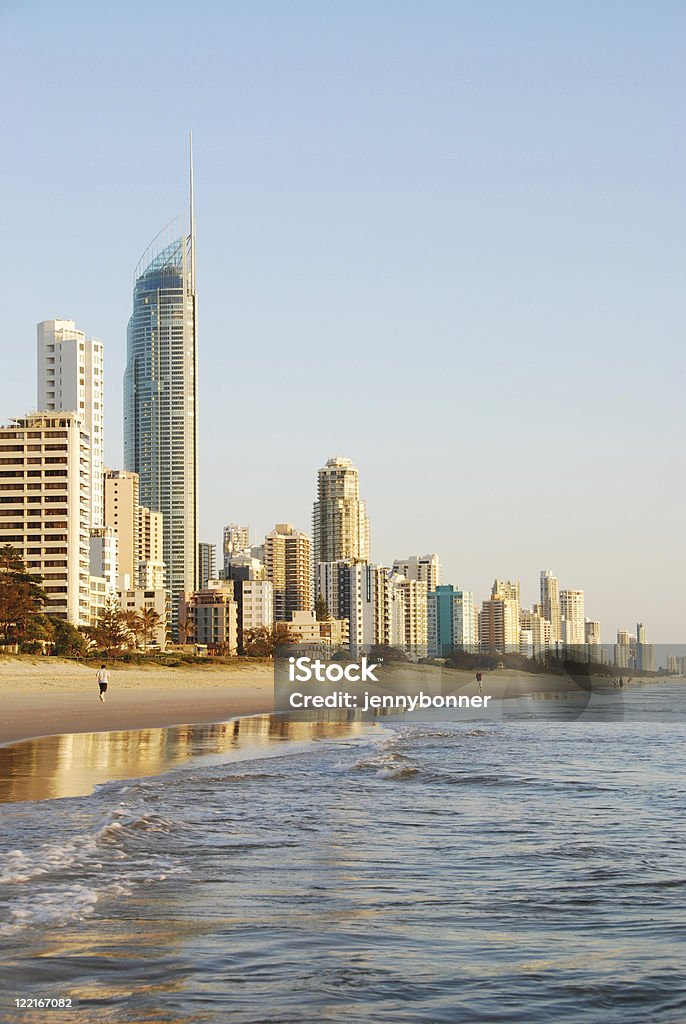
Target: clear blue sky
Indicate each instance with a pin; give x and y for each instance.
(445, 239)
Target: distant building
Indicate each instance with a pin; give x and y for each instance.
(499, 626)
(339, 521)
(104, 572)
(235, 541)
(46, 517)
(426, 568)
(209, 617)
(305, 629)
(572, 618)
(645, 654)
(207, 554)
(71, 379)
(139, 533)
(136, 599)
(288, 564)
(550, 603)
(255, 600)
(452, 623)
(534, 631)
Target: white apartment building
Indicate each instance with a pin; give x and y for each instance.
(137, 599)
(426, 568)
(71, 379)
(256, 604)
(550, 604)
(104, 570)
(45, 505)
(572, 618)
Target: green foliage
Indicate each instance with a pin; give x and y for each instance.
(69, 641)
(321, 609)
(21, 597)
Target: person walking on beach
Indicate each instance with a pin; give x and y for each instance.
(479, 687)
(103, 678)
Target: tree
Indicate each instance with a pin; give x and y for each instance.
(262, 642)
(132, 624)
(111, 632)
(149, 621)
(321, 609)
(69, 641)
(21, 595)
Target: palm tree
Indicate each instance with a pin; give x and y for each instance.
(149, 621)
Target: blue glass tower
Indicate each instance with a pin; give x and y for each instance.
(160, 397)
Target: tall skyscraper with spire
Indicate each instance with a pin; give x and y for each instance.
(340, 523)
(160, 395)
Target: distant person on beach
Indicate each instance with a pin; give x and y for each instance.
(479, 687)
(103, 678)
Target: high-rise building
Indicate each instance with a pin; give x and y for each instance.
(645, 654)
(236, 540)
(139, 533)
(340, 523)
(45, 516)
(509, 591)
(426, 568)
(71, 379)
(452, 621)
(535, 626)
(592, 631)
(572, 618)
(288, 564)
(160, 397)
(255, 599)
(207, 556)
(499, 625)
(550, 602)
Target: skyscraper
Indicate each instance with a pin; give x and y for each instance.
(160, 396)
(340, 523)
(70, 379)
(420, 567)
(287, 563)
(44, 473)
(550, 603)
(572, 618)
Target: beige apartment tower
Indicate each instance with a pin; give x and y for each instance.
(288, 564)
(340, 523)
(45, 510)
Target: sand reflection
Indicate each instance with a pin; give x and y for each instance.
(73, 764)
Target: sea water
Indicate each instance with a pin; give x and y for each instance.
(522, 870)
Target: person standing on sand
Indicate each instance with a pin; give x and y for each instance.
(479, 687)
(103, 678)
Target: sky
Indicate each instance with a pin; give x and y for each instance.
(444, 239)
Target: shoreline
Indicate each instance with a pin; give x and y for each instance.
(42, 697)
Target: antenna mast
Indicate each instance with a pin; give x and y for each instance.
(192, 212)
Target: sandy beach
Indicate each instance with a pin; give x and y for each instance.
(49, 696)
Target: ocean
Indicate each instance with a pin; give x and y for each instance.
(517, 870)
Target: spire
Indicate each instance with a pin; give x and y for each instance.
(192, 212)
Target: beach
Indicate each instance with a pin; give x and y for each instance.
(49, 696)
(43, 696)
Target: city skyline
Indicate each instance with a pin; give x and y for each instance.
(448, 251)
